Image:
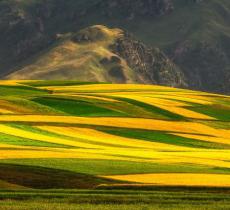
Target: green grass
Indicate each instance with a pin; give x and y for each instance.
(123, 107)
(20, 91)
(30, 106)
(15, 140)
(212, 199)
(44, 133)
(217, 124)
(220, 112)
(156, 111)
(77, 107)
(163, 137)
(33, 129)
(44, 204)
(111, 167)
(48, 83)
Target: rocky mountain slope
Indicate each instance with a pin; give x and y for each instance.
(194, 34)
(98, 53)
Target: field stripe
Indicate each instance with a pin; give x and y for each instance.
(180, 179)
(136, 123)
(101, 137)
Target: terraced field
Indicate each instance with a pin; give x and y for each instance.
(71, 135)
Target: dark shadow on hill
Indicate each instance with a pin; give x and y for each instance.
(46, 178)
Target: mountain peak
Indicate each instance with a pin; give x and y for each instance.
(96, 33)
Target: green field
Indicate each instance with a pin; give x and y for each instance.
(159, 199)
(71, 145)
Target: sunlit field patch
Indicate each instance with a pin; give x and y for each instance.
(214, 180)
(5, 111)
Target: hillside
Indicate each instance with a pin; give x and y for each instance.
(193, 34)
(62, 135)
(100, 54)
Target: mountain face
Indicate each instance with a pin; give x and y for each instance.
(98, 53)
(151, 64)
(194, 34)
(130, 9)
(29, 27)
(22, 34)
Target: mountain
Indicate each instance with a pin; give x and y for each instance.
(101, 54)
(31, 26)
(194, 34)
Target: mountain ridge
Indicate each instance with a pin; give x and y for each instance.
(100, 54)
(193, 34)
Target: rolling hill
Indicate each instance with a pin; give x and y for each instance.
(80, 145)
(193, 34)
(66, 135)
(100, 54)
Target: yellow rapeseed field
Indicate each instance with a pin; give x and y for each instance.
(112, 140)
(193, 140)
(134, 123)
(179, 179)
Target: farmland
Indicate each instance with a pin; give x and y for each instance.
(70, 138)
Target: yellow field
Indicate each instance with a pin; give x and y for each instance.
(174, 131)
(211, 180)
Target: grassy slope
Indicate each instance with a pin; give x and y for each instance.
(68, 59)
(115, 200)
(42, 153)
(77, 99)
